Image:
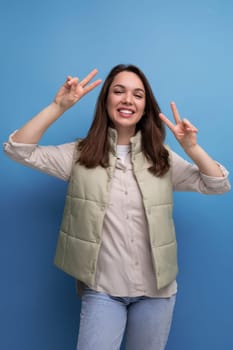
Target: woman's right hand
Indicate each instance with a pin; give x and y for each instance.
(73, 90)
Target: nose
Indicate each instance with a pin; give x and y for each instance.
(127, 98)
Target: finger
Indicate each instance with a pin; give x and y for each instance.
(73, 84)
(86, 80)
(175, 113)
(67, 82)
(167, 121)
(92, 85)
(189, 126)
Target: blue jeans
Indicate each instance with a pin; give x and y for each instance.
(104, 320)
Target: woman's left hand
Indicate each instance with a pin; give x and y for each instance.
(183, 130)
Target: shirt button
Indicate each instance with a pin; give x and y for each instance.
(126, 192)
(136, 263)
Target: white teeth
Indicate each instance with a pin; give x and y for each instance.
(126, 111)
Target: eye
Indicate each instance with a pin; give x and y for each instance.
(118, 92)
(138, 96)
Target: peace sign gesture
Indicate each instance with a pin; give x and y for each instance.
(183, 130)
(73, 90)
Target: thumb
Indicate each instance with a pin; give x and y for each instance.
(189, 126)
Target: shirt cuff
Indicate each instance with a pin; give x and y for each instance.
(216, 179)
(19, 144)
(18, 149)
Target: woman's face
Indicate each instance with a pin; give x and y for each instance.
(126, 100)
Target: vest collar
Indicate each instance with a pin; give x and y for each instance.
(135, 141)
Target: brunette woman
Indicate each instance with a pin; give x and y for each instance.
(117, 235)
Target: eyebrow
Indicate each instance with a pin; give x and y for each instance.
(122, 86)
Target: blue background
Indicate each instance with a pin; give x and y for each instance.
(185, 49)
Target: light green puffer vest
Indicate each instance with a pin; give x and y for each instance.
(86, 201)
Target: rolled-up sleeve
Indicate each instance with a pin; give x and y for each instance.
(187, 177)
(53, 160)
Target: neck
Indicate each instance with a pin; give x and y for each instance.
(124, 135)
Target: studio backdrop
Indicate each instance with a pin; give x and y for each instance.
(185, 49)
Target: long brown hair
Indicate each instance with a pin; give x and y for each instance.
(94, 148)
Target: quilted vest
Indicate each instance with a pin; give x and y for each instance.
(86, 201)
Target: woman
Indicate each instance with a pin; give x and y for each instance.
(117, 235)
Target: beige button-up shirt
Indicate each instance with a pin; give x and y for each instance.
(124, 266)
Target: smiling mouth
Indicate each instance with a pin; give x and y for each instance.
(125, 112)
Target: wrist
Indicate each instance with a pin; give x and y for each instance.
(58, 109)
(190, 148)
